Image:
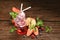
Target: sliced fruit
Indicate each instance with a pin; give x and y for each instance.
(36, 31)
(33, 21)
(30, 21)
(14, 9)
(29, 32)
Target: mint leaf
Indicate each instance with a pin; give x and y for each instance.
(13, 29)
(39, 22)
(48, 29)
(13, 14)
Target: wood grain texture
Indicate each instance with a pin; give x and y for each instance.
(48, 11)
(35, 11)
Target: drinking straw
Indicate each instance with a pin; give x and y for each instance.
(21, 6)
(26, 8)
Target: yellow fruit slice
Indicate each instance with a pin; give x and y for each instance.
(30, 21)
(33, 21)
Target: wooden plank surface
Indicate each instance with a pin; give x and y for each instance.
(45, 14)
(6, 35)
(48, 11)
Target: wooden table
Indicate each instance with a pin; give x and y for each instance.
(48, 11)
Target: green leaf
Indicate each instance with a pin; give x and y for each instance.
(47, 29)
(39, 22)
(13, 29)
(13, 14)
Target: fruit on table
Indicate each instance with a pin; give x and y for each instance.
(42, 28)
(14, 9)
(29, 32)
(32, 36)
(36, 31)
(30, 21)
(38, 27)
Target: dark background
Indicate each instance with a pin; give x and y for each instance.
(47, 10)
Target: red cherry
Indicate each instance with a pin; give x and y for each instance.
(42, 28)
(37, 26)
(32, 36)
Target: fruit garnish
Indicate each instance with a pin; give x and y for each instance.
(29, 32)
(32, 36)
(36, 32)
(42, 28)
(14, 9)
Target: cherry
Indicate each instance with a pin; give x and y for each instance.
(42, 28)
(38, 26)
(32, 36)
